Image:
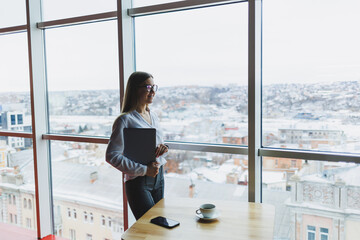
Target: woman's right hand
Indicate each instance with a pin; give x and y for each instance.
(152, 169)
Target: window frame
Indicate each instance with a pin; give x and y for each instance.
(74, 214)
(19, 119)
(40, 133)
(72, 234)
(103, 220)
(322, 233)
(85, 217)
(310, 231)
(13, 119)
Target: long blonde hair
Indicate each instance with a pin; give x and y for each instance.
(131, 97)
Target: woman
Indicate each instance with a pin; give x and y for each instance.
(144, 185)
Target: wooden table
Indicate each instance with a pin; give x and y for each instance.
(237, 220)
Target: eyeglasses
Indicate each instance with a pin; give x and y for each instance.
(149, 87)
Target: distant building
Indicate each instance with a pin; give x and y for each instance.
(276, 172)
(87, 199)
(326, 205)
(13, 121)
(4, 154)
(28, 141)
(311, 137)
(237, 140)
(308, 116)
(234, 135)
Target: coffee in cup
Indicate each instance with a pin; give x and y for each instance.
(207, 210)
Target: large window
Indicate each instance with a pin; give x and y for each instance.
(317, 196)
(14, 80)
(311, 75)
(83, 78)
(57, 9)
(199, 60)
(84, 188)
(12, 13)
(206, 175)
(229, 74)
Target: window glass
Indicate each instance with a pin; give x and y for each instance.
(103, 220)
(13, 121)
(311, 197)
(218, 176)
(199, 61)
(82, 183)
(324, 237)
(311, 236)
(324, 230)
(72, 234)
(83, 78)
(311, 228)
(15, 83)
(324, 234)
(57, 9)
(12, 13)
(311, 75)
(20, 119)
(17, 185)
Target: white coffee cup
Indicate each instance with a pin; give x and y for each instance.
(207, 210)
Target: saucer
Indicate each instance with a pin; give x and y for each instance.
(215, 216)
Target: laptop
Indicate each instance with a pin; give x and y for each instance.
(140, 144)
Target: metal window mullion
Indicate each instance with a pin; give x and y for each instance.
(126, 48)
(16, 134)
(42, 172)
(310, 155)
(178, 6)
(76, 138)
(13, 29)
(208, 147)
(254, 101)
(186, 146)
(106, 16)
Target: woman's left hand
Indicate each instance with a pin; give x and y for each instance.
(160, 150)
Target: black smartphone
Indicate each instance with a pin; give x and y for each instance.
(165, 222)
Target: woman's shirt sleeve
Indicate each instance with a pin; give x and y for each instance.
(114, 152)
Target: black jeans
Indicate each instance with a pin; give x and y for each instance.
(144, 192)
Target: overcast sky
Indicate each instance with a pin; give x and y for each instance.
(303, 42)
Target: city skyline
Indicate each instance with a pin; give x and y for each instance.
(307, 120)
(181, 48)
